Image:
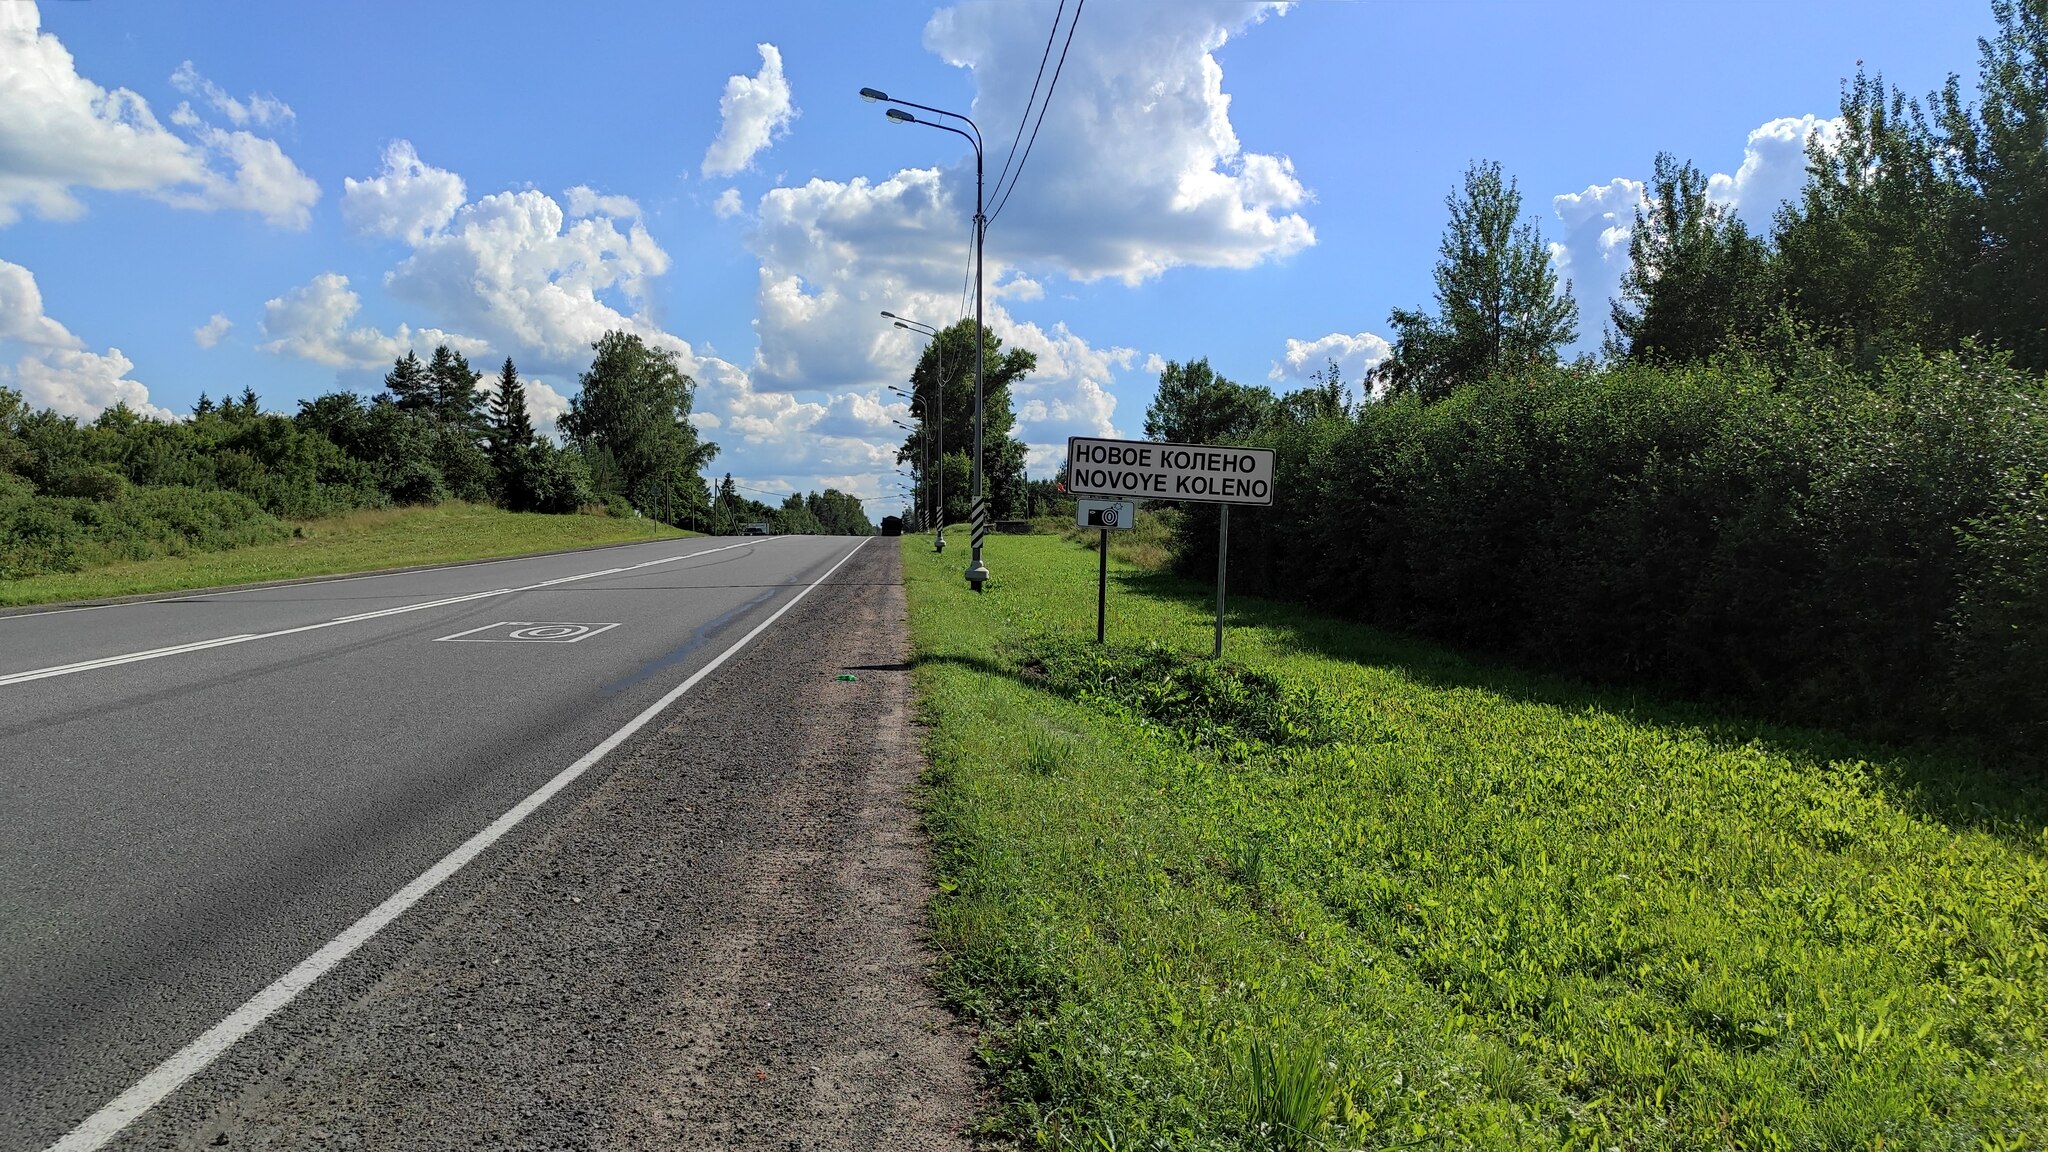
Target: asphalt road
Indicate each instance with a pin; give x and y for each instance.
(202, 791)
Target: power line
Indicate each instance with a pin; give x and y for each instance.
(1043, 105)
(967, 281)
(1043, 56)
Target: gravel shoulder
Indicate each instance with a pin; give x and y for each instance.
(720, 946)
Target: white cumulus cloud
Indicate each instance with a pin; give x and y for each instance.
(1593, 253)
(587, 201)
(53, 368)
(1355, 354)
(517, 270)
(405, 201)
(1138, 168)
(312, 323)
(60, 132)
(728, 204)
(1137, 171)
(1773, 167)
(753, 111)
(208, 334)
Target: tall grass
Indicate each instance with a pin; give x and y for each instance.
(1344, 890)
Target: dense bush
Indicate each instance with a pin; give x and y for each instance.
(1857, 548)
(43, 534)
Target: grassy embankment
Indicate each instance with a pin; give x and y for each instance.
(1351, 891)
(356, 542)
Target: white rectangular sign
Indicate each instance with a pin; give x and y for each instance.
(1214, 474)
(1117, 515)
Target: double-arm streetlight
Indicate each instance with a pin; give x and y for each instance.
(938, 387)
(924, 471)
(977, 572)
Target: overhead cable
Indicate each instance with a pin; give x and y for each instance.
(1043, 105)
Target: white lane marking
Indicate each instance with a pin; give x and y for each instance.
(193, 1058)
(224, 641)
(210, 594)
(129, 658)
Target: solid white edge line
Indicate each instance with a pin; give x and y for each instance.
(223, 641)
(193, 1058)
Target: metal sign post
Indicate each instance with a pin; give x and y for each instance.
(1222, 570)
(1198, 473)
(1109, 516)
(1101, 585)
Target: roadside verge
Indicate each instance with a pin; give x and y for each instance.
(1344, 890)
(356, 545)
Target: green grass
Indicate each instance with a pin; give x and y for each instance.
(356, 542)
(1350, 891)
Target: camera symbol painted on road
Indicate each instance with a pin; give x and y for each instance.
(528, 632)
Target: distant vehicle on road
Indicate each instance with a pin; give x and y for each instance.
(755, 530)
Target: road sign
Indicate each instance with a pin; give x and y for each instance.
(1204, 473)
(1210, 473)
(1113, 515)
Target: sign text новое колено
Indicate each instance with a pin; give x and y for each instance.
(1209, 473)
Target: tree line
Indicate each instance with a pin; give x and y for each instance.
(1808, 471)
(827, 513)
(75, 494)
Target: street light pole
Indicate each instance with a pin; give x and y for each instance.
(977, 572)
(924, 464)
(938, 387)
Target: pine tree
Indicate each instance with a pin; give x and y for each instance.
(452, 385)
(408, 385)
(1497, 297)
(512, 441)
(511, 427)
(203, 406)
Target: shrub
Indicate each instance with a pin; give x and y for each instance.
(1835, 546)
(44, 534)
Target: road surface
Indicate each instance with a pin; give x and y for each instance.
(206, 793)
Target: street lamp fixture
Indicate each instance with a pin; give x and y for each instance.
(977, 572)
(938, 448)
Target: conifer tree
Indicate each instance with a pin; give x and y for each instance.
(452, 385)
(511, 427)
(408, 384)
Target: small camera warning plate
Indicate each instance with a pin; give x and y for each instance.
(1115, 515)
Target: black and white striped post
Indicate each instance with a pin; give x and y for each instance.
(979, 519)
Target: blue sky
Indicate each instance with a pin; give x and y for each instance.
(211, 196)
